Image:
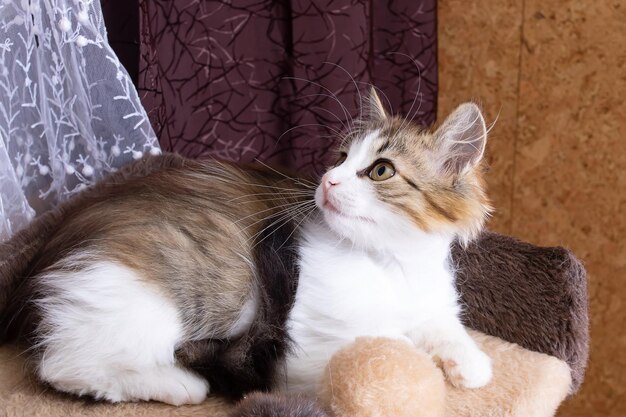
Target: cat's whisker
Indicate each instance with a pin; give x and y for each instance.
(343, 125)
(283, 219)
(279, 210)
(295, 192)
(334, 96)
(306, 125)
(261, 185)
(256, 197)
(287, 205)
(277, 199)
(280, 213)
(300, 181)
(332, 138)
(417, 94)
(304, 190)
(362, 119)
(281, 225)
(353, 82)
(294, 208)
(296, 227)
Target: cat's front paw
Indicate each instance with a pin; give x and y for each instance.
(469, 369)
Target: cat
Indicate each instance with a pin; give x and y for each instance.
(377, 263)
(175, 276)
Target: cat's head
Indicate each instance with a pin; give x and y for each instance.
(393, 179)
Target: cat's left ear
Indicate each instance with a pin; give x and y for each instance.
(374, 106)
(461, 139)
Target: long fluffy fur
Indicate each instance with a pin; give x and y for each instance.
(249, 363)
(17, 254)
(184, 231)
(277, 405)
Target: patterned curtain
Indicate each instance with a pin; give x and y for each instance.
(276, 80)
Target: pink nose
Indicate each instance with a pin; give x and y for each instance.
(327, 183)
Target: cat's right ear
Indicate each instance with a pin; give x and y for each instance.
(461, 139)
(374, 106)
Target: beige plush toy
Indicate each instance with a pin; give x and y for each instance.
(377, 377)
(383, 377)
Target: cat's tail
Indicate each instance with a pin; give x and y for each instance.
(17, 255)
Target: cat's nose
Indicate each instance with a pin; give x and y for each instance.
(329, 183)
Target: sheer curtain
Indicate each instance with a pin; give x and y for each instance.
(68, 110)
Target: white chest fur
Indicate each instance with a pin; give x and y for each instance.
(345, 292)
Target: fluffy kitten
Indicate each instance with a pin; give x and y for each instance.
(377, 262)
(148, 286)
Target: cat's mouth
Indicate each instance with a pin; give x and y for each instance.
(329, 206)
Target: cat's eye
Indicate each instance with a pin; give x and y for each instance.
(382, 171)
(342, 157)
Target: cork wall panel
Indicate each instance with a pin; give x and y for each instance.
(556, 71)
(479, 47)
(570, 169)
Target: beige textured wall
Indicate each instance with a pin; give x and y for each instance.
(555, 71)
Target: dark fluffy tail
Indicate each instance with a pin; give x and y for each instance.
(261, 404)
(16, 257)
(17, 253)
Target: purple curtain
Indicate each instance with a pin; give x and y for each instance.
(277, 80)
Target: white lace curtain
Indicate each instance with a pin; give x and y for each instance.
(68, 110)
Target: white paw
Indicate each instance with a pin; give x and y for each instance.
(188, 391)
(468, 369)
(177, 387)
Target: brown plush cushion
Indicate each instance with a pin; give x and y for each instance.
(529, 295)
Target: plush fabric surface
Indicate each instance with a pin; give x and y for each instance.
(525, 384)
(529, 295)
(381, 377)
(21, 396)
